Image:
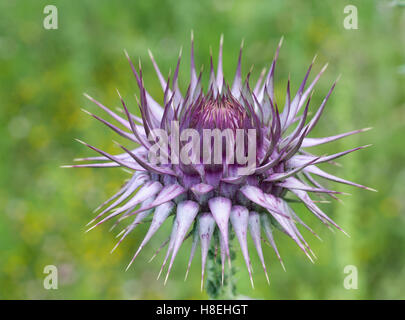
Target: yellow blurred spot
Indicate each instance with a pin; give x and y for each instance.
(39, 137)
(390, 207)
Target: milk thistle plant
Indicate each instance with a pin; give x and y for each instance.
(252, 161)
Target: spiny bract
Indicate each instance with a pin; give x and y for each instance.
(208, 198)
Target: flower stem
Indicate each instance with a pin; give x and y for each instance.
(215, 289)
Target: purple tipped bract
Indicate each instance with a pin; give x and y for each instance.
(208, 202)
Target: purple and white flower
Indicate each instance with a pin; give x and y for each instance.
(203, 197)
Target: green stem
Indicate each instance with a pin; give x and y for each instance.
(215, 289)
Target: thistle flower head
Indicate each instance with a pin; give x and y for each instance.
(253, 159)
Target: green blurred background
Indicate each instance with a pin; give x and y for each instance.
(44, 209)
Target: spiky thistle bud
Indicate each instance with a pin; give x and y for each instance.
(201, 185)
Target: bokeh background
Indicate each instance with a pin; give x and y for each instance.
(43, 73)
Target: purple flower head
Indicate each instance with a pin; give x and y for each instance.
(214, 188)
